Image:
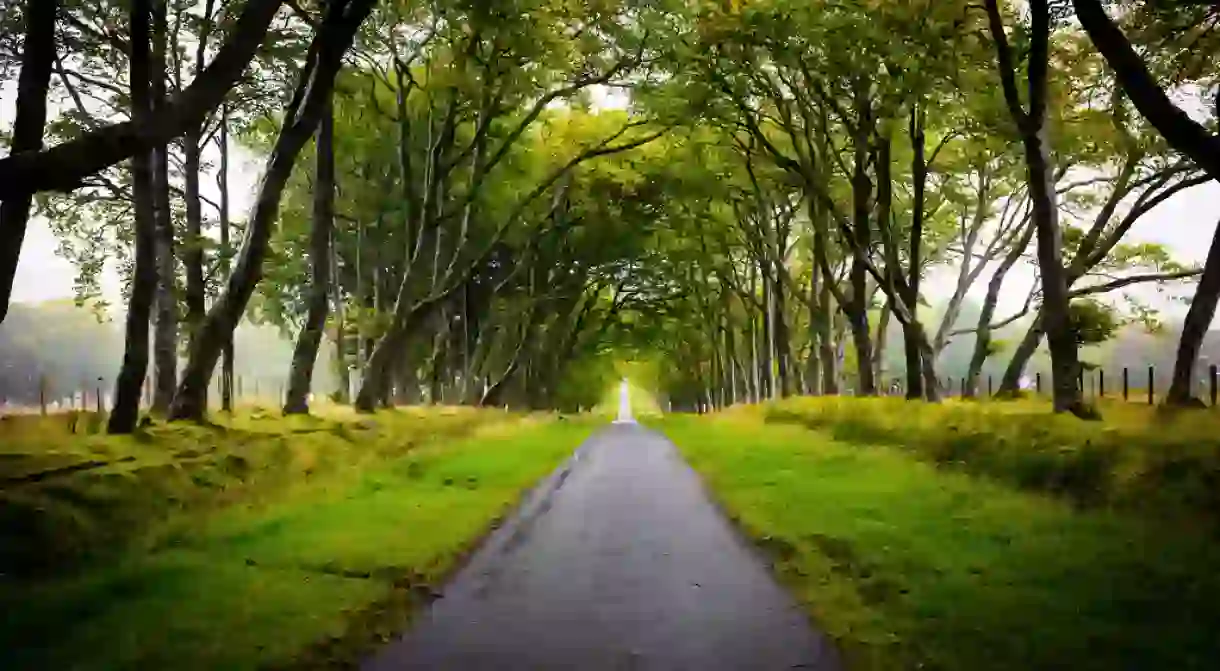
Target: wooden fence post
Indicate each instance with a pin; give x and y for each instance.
(1211, 383)
(99, 396)
(42, 393)
(989, 392)
(1126, 385)
(1037, 383)
(1151, 387)
(1101, 382)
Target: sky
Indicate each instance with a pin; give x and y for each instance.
(1184, 224)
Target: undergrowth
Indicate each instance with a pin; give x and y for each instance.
(1160, 461)
(67, 495)
(284, 544)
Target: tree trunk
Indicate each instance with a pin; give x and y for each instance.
(1055, 319)
(1010, 383)
(919, 176)
(342, 370)
(768, 335)
(1065, 366)
(883, 327)
(165, 334)
(305, 355)
(130, 383)
(37, 59)
(982, 342)
(315, 82)
(222, 179)
(1198, 321)
(192, 254)
(783, 342)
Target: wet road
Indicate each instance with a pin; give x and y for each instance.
(617, 561)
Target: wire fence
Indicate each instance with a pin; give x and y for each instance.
(95, 396)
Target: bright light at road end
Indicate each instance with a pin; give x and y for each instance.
(624, 405)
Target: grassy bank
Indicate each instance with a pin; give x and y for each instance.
(1167, 463)
(911, 566)
(317, 547)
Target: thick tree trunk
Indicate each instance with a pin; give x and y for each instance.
(130, 383)
(37, 59)
(1032, 125)
(165, 333)
(1065, 366)
(314, 85)
(305, 355)
(1198, 321)
(375, 385)
(192, 252)
(63, 166)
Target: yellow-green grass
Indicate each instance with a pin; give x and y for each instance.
(307, 573)
(910, 566)
(1138, 457)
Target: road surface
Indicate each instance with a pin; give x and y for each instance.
(617, 561)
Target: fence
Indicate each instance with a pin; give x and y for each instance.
(1093, 384)
(94, 396)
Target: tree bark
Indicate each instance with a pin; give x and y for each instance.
(1194, 328)
(63, 166)
(857, 308)
(165, 330)
(314, 85)
(305, 354)
(222, 184)
(919, 176)
(783, 341)
(1065, 366)
(130, 383)
(37, 60)
(982, 342)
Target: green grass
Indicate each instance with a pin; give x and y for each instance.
(308, 573)
(1153, 460)
(910, 566)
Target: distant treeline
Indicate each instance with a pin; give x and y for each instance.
(68, 348)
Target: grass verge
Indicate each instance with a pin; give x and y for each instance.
(1139, 458)
(908, 566)
(307, 576)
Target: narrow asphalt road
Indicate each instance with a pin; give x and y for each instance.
(617, 561)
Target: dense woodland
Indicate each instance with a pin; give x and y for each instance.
(493, 202)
